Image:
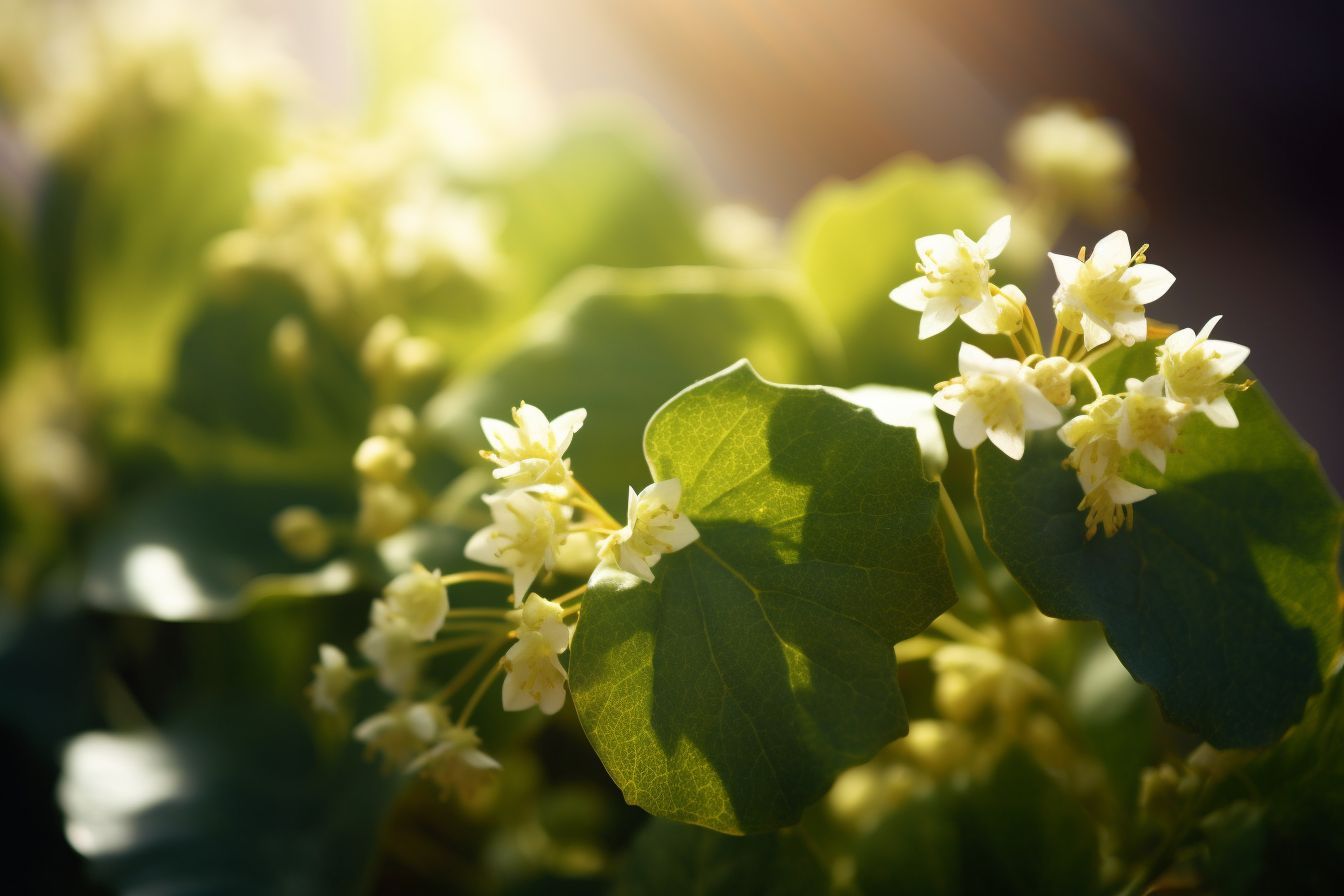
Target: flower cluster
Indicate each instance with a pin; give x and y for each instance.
(1101, 297)
(537, 509)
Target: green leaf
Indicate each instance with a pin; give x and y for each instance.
(674, 859)
(915, 850)
(618, 343)
(1223, 597)
(230, 800)
(606, 193)
(758, 665)
(1026, 835)
(238, 410)
(189, 551)
(121, 232)
(855, 242)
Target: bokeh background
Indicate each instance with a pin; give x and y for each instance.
(1231, 109)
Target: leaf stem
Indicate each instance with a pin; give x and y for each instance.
(996, 607)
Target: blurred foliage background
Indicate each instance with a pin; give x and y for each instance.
(236, 240)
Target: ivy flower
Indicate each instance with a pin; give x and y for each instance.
(546, 617)
(332, 678)
(994, 398)
(419, 599)
(524, 537)
(390, 645)
(954, 276)
(402, 731)
(532, 670)
(654, 527)
(455, 762)
(1104, 295)
(1004, 312)
(1149, 421)
(1098, 458)
(1054, 378)
(1194, 368)
(531, 452)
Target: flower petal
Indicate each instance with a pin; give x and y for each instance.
(996, 237)
(935, 245)
(1112, 251)
(969, 426)
(910, 294)
(1220, 413)
(1010, 441)
(972, 359)
(938, 316)
(1094, 334)
(1067, 268)
(1149, 282)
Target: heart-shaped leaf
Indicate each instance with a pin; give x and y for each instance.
(759, 664)
(1223, 597)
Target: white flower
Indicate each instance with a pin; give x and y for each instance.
(455, 762)
(1149, 421)
(389, 644)
(1104, 296)
(383, 459)
(419, 599)
(1054, 377)
(332, 678)
(954, 277)
(402, 731)
(653, 528)
(532, 452)
(1004, 312)
(547, 618)
(533, 674)
(523, 539)
(1098, 458)
(995, 398)
(1194, 368)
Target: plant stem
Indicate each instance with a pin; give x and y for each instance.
(464, 674)
(957, 630)
(996, 608)
(591, 504)
(570, 595)
(452, 644)
(499, 578)
(477, 694)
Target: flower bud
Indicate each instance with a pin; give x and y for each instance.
(1053, 377)
(419, 599)
(384, 510)
(380, 345)
(383, 460)
(393, 421)
(302, 532)
(289, 345)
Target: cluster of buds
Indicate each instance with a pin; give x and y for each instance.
(538, 507)
(360, 225)
(1100, 297)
